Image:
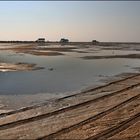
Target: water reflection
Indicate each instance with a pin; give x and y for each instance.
(68, 74)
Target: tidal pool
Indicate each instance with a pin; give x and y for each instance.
(61, 76)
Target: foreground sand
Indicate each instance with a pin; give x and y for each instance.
(111, 111)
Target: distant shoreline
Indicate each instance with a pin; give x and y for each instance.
(72, 43)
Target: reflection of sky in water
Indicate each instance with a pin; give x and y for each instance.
(98, 52)
(70, 72)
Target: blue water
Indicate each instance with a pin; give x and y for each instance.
(70, 72)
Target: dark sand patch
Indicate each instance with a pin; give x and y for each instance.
(121, 48)
(81, 51)
(62, 49)
(132, 56)
(42, 53)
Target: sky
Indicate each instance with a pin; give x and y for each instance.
(75, 20)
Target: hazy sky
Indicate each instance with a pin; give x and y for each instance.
(75, 20)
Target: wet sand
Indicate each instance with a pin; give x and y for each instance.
(35, 50)
(4, 67)
(132, 56)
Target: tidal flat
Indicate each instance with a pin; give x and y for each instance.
(31, 73)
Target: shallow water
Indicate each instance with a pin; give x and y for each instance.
(70, 73)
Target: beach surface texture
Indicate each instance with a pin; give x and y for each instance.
(111, 111)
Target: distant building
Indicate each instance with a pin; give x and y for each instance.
(63, 40)
(95, 42)
(40, 40)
